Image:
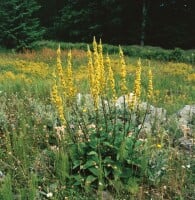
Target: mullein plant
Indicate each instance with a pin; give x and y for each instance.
(103, 133)
(58, 88)
(95, 88)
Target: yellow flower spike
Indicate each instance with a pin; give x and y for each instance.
(60, 70)
(59, 88)
(123, 72)
(70, 83)
(101, 68)
(94, 45)
(60, 109)
(57, 100)
(90, 69)
(150, 85)
(54, 93)
(96, 85)
(111, 81)
(137, 84)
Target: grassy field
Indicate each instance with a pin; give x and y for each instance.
(39, 155)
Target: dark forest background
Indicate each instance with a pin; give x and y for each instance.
(165, 23)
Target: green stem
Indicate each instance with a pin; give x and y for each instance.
(81, 125)
(124, 115)
(104, 113)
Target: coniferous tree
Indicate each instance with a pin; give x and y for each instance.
(18, 24)
(80, 20)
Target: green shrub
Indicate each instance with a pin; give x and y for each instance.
(177, 55)
(146, 52)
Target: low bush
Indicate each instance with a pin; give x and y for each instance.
(146, 52)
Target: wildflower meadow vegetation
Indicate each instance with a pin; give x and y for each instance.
(72, 125)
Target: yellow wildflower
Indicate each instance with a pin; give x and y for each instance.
(150, 85)
(137, 85)
(60, 70)
(57, 100)
(123, 72)
(101, 68)
(96, 87)
(111, 81)
(70, 85)
(90, 69)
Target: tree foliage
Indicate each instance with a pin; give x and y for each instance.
(18, 24)
(165, 23)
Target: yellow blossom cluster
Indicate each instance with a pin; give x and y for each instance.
(150, 85)
(111, 80)
(123, 72)
(10, 76)
(96, 72)
(59, 71)
(176, 68)
(59, 88)
(70, 89)
(90, 70)
(57, 100)
(95, 88)
(63, 90)
(101, 68)
(191, 77)
(39, 69)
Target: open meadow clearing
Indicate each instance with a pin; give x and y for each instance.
(70, 129)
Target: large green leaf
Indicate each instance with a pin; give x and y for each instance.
(94, 171)
(90, 179)
(76, 163)
(88, 164)
(78, 180)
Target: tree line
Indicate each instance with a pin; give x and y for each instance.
(165, 23)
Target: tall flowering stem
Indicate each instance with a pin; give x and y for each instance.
(58, 88)
(111, 81)
(90, 70)
(96, 87)
(150, 85)
(123, 72)
(102, 79)
(60, 74)
(137, 85)
(57, 100)
(92, 74)
(71, 90)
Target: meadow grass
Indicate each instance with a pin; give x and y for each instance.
(39, 161)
